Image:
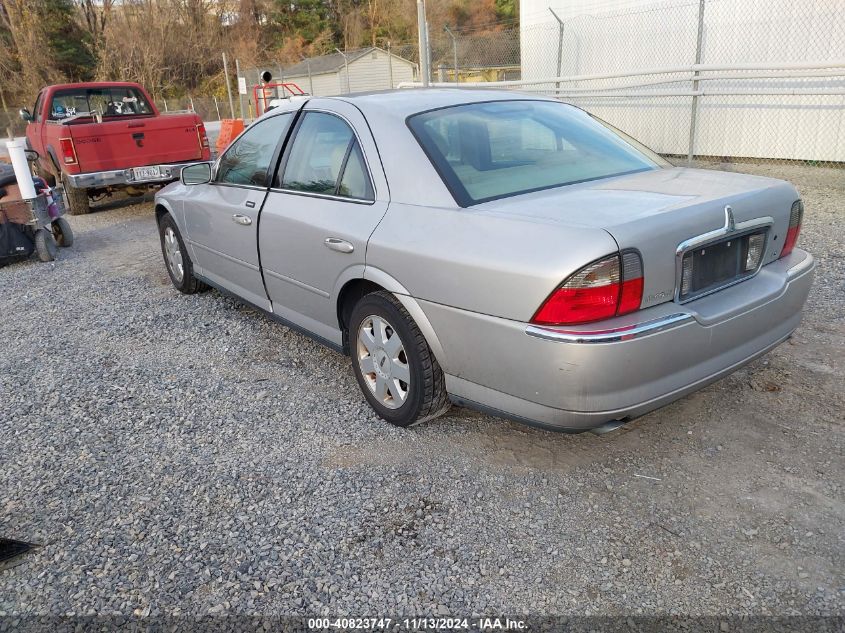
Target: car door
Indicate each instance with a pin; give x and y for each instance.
(326, 199)
(221, 217)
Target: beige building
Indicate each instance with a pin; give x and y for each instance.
(361, 70)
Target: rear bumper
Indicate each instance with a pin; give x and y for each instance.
(125, 177)
(579, 378)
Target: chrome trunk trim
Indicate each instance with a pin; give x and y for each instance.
(638, 330)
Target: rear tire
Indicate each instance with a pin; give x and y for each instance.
(62, 232)
(45, 245)
(77, 199)
(176, 259)
(399, 376)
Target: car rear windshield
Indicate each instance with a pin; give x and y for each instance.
(485, 151)
(117, 101)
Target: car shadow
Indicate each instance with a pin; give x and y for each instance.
(120, 201)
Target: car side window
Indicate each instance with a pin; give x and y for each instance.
(36, 109)
(325, 158)
(247, 161)
(355, 182)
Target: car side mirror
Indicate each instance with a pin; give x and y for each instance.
(197, 174)
(25, 115)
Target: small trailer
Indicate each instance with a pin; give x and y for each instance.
(31, 224)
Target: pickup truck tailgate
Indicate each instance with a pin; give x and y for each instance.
(136, 142)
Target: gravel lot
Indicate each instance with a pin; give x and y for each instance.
(185, 455)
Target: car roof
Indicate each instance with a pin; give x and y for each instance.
(407, 101)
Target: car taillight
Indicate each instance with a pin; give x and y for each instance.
(202, 136)
(606, 288)
(796, 216)
(68, 151)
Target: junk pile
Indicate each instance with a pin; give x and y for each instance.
(30, 210)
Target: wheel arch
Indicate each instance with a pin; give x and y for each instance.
(160, 210)
(53, 161)
(375, 280)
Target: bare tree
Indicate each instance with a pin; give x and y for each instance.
(94, 16)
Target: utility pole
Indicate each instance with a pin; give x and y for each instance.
(454, 50)
(228, 87)
(422, 26)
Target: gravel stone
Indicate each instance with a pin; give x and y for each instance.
(186, 455)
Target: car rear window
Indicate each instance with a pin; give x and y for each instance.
(485, 151)
(116, 101)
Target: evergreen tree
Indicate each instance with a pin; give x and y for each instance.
(69, 45)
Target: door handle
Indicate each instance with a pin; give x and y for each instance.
(250, 204)
(339, 245)
(241, 219)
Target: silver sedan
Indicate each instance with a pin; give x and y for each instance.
(498, 251)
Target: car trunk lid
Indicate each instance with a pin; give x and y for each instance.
(659, 210)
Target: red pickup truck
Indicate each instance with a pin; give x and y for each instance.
(100, 137)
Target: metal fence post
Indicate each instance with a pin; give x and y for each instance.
(559, 47)
(165, 104)
(694, 112)
(454, 50)
(346, 68)
(228, 87)
(217, 107)
(240, 96)
(389, 65)
(310, 78)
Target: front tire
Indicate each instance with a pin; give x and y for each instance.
(77, 199)
(393, 364)
(45, 245)
(176, 258)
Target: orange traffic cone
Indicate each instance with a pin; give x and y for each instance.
(229, 129)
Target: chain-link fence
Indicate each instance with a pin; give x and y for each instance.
(725, 78)
(471, 57)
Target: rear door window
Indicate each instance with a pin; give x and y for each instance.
(326, 159)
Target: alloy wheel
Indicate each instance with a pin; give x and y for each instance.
(173, 254)
(383, 361)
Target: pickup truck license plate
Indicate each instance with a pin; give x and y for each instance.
(146, 173)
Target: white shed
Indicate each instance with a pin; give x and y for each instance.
(370, 68)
